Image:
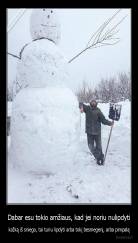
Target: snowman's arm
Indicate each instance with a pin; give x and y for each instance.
(103, 36)
(20, 54)
(13, 55)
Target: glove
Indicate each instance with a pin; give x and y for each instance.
(80, 105)
(112, 123)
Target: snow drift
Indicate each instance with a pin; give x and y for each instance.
(84, 181)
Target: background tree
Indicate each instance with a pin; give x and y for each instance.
(85, 92)
(113, 89)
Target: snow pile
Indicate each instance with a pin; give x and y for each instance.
(85, 181)
(44, 23)
(44, 128)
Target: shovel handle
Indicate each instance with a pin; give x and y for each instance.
(108, 140)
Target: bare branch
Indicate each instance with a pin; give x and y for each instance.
(78, 54)
(114, 27)
(108, 22)
(103, 26)
(13, 55)
(105, 43)
(92, 47)
(98, 38)
(108, 34)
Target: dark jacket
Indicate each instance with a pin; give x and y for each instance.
(94, 118)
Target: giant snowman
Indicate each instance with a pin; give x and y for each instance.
(45, 114)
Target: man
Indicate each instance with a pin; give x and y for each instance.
(94, 118)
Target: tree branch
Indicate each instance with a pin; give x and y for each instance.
(13, 55)
(100, 36)
(103, 26)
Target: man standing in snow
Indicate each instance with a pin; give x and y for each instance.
(94, 118)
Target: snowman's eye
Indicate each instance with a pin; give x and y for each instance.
(44, 9)
(51, 11)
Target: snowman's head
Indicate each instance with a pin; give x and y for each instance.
(44, 24)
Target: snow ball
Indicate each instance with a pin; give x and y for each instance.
(44, 23)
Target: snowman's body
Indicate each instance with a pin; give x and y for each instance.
(42, 65)
(45, 116)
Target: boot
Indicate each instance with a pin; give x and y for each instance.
(99, 161)
(102, 159)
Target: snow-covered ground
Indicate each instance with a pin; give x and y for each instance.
(85, 182)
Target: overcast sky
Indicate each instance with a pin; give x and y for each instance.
(77, 26)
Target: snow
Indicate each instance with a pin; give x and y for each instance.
(44, 127)
(48, 160)
(45, 23)
(45, 115)
(84, 181)
(9, 108)
(42, 64)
